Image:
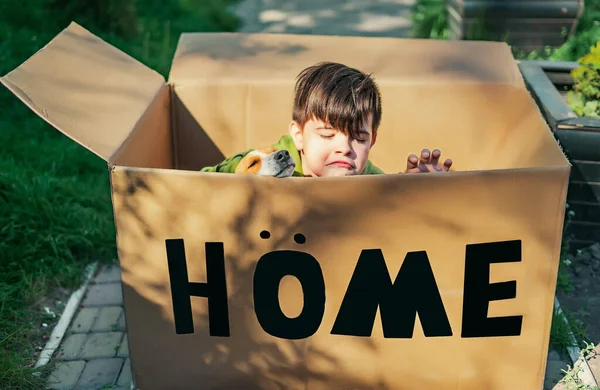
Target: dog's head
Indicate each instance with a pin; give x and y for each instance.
(267, 162)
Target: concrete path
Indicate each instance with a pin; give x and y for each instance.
(327, 17)
(94, 352)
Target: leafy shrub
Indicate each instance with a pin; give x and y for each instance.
(586, 34)
(584, 99)
(430, 19)
(117, 16)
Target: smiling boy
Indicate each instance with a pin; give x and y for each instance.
(335, 119)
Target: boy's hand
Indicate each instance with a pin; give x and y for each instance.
(427, 163)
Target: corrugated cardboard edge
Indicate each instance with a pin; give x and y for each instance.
(560, 217)
(174, 127)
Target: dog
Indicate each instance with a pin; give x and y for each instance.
(267, 162)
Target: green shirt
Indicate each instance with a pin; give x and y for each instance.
(285, 143)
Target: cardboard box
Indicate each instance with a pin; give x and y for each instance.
(474, 252)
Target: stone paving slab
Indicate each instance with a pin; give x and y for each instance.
(101, 345)
(110, 274)
(85, 319)
(105, 294)
(124, 348)
(125, 376)
(66, 374)
(99, 373)
(71, 346)
(108, 319)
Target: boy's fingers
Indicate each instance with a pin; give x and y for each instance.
(425, 156)
(412, 162)
(447, 165)
(435, 157)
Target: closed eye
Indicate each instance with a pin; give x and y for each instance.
(326, 136)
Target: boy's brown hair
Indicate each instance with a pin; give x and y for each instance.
(338, 95)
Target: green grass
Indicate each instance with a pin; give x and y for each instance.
(55, 207)
(559, 331)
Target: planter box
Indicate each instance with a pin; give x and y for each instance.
(580, 140)
(528, 25)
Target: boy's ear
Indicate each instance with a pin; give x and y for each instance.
(373, 139)
(296, 134)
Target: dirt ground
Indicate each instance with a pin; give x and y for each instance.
(52, 306)
(583, 301)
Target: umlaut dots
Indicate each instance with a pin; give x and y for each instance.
(299, 238)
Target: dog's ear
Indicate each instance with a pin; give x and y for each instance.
(250, 164)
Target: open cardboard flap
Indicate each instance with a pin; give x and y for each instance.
(86, 88)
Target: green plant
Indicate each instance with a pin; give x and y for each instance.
(430, 19)
(571, 380)
(586, 34)
(563, 281)
(584, 99)
(566, 331)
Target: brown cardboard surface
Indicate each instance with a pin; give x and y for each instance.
(503, 131)
(230, 92)
(86, 88)
(440, 214)
(276, 58)
(150, 143)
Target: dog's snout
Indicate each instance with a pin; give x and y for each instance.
(281, 154)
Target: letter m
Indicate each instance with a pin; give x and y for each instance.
(414, 291)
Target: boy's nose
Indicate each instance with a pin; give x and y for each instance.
(344, 147)
(281, 154)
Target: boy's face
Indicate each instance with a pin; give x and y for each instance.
(329, 152)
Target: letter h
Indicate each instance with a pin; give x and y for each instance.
(215, 288)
